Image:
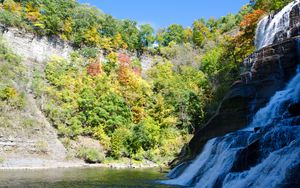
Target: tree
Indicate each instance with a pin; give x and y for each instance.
(130, 34)
(109, 26)
(92, 37)
(175, 32)
(244, 41)
(12, 6)
(84, 19)
(201, 33)
(146, 35)
(269, 5)
(94, 69)
(118, 41)
(146, 134)
(188, 35)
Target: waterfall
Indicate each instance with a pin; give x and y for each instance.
(274, 111)
(267, 152)
(279, 149)
(272, 26)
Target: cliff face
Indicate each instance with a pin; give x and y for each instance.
(269, 69)
(27, 139)
(34, 48)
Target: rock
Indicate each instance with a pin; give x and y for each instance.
(294, 109)
(34, 48)
(247, 157)
(270, 68)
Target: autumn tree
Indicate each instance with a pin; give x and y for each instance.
(94, 69)
(201, 33)
(245, 40)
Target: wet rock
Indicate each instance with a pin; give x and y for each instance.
(271, 68)
(294, 109)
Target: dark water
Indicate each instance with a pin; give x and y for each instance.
(85, 177)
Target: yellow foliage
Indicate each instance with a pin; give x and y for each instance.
(106, 44)
(118, 41)
(112, 57)
(32, 13)
(102, 137)
(124, 46)
(67, 29)
(92, 36)
(11, 5)
(10, 92)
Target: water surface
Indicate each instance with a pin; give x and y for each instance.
(81, 177)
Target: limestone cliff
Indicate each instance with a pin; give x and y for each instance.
(27, 139)
(32, 47)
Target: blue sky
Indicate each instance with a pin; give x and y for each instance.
(161, 13)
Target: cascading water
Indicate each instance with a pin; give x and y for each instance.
(271, 26)
(279, 149)
(267, 152)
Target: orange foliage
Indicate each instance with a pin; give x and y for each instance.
(94, 69)
(124, 68)
(124, 60)
(252, 18)
(244, 41)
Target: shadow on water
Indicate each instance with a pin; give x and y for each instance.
(82, 177)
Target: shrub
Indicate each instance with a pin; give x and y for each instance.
(120, 142)
(12, 97)
(10, 18)
(41, 146)
(90, 155)
(89, 52)
(29, 122)
(2, 159)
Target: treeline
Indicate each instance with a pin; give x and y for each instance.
(148, 117)
(269, 5)
(84, 25)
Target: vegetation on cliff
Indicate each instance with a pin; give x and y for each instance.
(10, 68)
(141, 117)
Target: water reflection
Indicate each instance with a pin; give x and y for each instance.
(81, 177)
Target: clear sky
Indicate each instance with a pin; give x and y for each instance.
(161, 13)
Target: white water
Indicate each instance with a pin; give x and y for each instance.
(186, 178)
(270, 173)
(269, 26)
(281, 150)
(274, 111)
(278, 138)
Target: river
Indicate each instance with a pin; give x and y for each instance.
(81, 178)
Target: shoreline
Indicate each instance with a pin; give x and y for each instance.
(66, 165)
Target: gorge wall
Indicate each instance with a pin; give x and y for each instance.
(268, 70)
(32, 47)
(238, 158)
(27, 138)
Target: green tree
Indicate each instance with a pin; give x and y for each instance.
(146, 35)
(269, 5)
(130, 34)
(201, 33)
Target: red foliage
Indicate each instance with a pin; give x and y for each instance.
(124, 60)
(94, 69)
